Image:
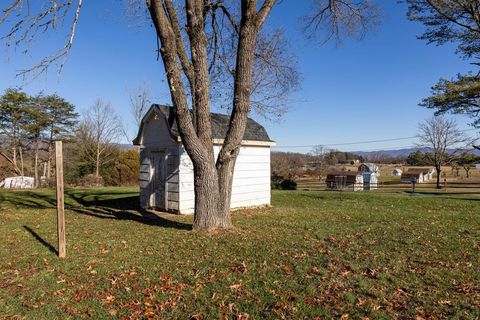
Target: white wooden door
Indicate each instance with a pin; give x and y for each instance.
(157, 174)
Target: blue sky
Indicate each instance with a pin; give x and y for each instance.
(359, 91)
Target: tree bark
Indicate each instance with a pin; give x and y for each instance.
(213, 180)
(15, 167)
(207, 199)
(206, 180)
(97, 162)
(241, 107)
(14, 156)
(20, 153)
(49, 168)
(438, 177)
(49, 158)
(35, 169)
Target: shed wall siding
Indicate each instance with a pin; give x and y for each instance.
(251, 179)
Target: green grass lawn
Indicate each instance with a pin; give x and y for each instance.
(313, 254)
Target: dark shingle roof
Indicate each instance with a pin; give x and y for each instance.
(254, 131)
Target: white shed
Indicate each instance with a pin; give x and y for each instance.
(396, 172)
(166, 170)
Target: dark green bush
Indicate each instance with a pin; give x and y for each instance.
(288, 184)
(280, 183)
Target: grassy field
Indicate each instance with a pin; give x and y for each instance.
(314, 254)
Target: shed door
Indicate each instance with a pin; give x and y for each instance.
(367, 180)
(157, 176)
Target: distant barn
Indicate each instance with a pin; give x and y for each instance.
(345, 180)
(166, 170)
(421, 175)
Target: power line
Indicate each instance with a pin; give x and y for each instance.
(347, 143)
(358, 142)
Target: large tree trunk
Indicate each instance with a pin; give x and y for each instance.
(199, 147)
(241, 107)
(225, 180)
(207, 199)
(213, 181)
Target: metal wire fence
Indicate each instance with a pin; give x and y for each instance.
(317, 185)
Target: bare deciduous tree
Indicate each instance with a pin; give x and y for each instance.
(444, 138)
(336, 19)
(13, 104)
(140, 102)
(189, 55)
(31, 18)
(319, 152)
(98, 130)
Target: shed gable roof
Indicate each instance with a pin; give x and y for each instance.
(254, 131)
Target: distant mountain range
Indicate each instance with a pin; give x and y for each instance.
(402, 152)
(125, 146)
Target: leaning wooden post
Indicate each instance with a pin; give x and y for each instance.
(60, 199)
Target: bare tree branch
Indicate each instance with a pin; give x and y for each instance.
(336, 19)
(27, 27)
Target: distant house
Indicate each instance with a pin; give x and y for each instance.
(345, 180)
(396, 172)
(370, 173)
(369, 167)
(166, 170)
(421, 175)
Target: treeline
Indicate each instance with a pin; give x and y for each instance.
(29, 126)
(289, 165)
(457, 161)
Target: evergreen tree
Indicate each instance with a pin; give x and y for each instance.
(61, 122)
(455, 22)
(35, 124)
(13, 104)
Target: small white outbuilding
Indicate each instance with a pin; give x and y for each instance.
(166, 170)
(396, 172)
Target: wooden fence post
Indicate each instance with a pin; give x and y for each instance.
(60, 199)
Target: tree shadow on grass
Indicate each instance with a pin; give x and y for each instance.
(41, 240)
(466, 196)
(102, 205)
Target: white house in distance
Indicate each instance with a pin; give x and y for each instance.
(370, 173)
(421, 175)
(166, 170)
(396, 172)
